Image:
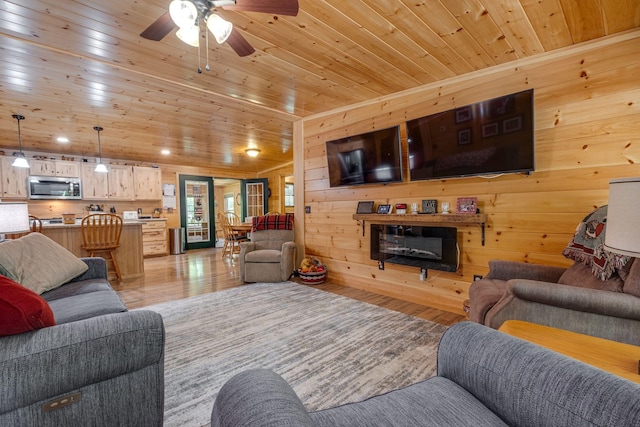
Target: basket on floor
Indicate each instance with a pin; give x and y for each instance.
(313, 277)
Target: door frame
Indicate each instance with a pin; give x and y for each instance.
(265, 194)
(183, 210)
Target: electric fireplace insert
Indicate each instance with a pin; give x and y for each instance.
(433, 248)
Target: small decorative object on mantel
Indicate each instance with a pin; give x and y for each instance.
(401, 208)
(365, 207)
(445, 208)
(466, 205)
(384, 209)
(429, 206)
(311, 271)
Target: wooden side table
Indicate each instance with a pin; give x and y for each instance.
(611, 356)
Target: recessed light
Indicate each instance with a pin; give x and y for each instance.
(165, 152)
(62, 139)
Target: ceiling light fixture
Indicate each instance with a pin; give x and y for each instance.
(183, 13)
(219, 27)
(165, 152)
(252, 152)
(100, 167)
(62, 139)
(20, 161)
(190, 35)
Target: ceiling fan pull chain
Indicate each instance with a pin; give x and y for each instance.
(206, 67)
(199, 68)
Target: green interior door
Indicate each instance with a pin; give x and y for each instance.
(197, 215)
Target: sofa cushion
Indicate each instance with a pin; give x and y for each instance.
(39, 263)
(264, 255)
(77, 288)
(85, 306)
(435, 402)
(21, 309)
(580, 275)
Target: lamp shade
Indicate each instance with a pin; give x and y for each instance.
(14, 217)
(219, 27)
(183, 13)
(623, 231)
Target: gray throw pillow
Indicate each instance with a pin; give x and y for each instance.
(38, 263)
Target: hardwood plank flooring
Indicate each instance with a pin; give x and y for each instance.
(202, 271)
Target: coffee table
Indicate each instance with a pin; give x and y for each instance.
(611, 356)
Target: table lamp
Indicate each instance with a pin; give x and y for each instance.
(623, 223)
(14, 218)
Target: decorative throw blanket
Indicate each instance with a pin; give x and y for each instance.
(272, 222)
(587, 246)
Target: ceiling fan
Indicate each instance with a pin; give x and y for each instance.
(188, 14)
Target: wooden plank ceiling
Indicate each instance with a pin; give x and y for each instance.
(70, 65)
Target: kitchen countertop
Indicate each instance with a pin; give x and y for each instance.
(78, 223)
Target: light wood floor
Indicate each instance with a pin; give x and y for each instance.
(204, 270)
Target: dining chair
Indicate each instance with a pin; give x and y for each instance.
(231, 238)
(35, 226)
(101, 233)
(232, 218)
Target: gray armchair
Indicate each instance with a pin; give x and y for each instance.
(270, 255)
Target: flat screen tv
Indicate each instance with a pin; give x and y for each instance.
(372, 157)
(487, 138)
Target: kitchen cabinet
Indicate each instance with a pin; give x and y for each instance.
(154, 238)
(14, 180)
(147, 183)
(95, 185)
(121, 182)
(60, 168)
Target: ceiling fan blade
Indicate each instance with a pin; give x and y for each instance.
(239, 43)
(278, 7)
(160, 28)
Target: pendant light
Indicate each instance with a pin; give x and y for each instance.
(20, 161)
(100, 167)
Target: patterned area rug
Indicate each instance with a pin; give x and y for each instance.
(330, 348)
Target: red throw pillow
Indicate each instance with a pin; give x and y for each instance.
(21, 309)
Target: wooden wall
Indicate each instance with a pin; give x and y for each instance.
(587, 131)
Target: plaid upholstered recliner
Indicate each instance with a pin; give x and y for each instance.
(270, 255)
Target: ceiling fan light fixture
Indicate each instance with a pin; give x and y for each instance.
(183, 12)
(190, 35)
(219, 27)
(20, 160)
(252, 152)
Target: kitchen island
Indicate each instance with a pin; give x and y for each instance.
(129, 254)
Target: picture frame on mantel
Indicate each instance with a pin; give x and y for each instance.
(466, 205)
(365, 207)
(384, 209)
(429, 206)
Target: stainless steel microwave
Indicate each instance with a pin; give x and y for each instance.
(53, 187)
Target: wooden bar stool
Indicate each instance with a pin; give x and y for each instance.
(101, 233)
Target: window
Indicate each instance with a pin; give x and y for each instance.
(228, 203)
(288, 195)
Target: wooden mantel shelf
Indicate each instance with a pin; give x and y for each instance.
(423, 219)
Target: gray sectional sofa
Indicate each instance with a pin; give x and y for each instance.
(484, 378)
(572, 299)
(100, 365)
